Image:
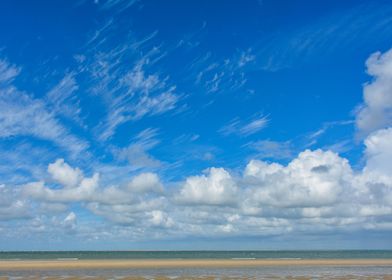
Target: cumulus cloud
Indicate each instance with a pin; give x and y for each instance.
(160, 219)
(129, 203)
(136, 212)
(217, 187)
(65, 174)
(145, 182)
(316, 191)
(314, 178)
(376, 112)
(378, 171)
(84, 191)
(78, 188)
(379, 152)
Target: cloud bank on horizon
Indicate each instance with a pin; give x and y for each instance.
(152, 125)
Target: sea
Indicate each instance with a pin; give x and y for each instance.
(262, 272)
(124, 255)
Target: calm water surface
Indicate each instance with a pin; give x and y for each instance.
(97, 255)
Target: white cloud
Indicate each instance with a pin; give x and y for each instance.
(261, 169)
(23, 115)
(254, 126)
(116, 5)
(237, 127)
(319, 38)
(316, 191)
(85, 191)
(272, 149)
(379, 152)
(160, 219)
(123, 204)
(65, 174)
(23, 162)
(377, 174)
(8, 72)
(226, 228)
(129, 93)
(217, 187)
(230, 128)
(12, 206)
(138, 157)
(155, 105)
(63, 100)
(217, 75)
(245, 58)
(134, 212)
(69, 222)
(145, 182)
(313, 179)
(376, 112)
(137, 152)
(137, 80)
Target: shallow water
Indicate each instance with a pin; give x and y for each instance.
(273, 272)
(107, 255)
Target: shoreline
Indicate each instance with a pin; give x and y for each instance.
(181, 263)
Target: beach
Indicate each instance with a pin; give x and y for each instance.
(198, 269)
(174, 263)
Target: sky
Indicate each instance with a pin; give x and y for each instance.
(189, 125)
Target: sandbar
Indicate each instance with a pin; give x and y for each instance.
(182, 263)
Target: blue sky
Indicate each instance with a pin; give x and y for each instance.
(195, 124)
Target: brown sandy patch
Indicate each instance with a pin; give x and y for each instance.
(37, 266)
(115, 264)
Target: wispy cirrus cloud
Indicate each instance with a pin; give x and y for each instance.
(144, 179)
(63, 100)
(8, 72)
(115, 5)
(127, 81)
(324, 35)
(24, 162)
(216, 75)
(137, 152)
(245, 129)
(268, 149)
(23, 115)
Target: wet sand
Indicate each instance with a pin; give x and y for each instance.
(183, 263)
(347, 277)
